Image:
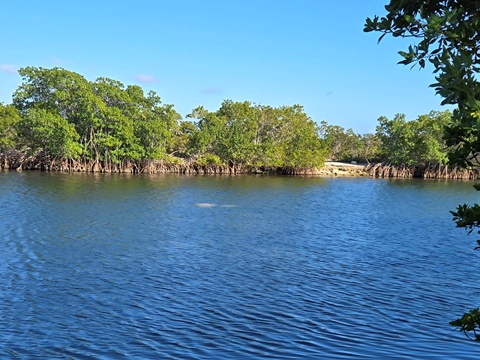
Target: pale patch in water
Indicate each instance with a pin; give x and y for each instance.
(205, 205)
(228, 206)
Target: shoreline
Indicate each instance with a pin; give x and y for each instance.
(16, 161)
(341, 169)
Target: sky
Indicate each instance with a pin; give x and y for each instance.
(202, 52)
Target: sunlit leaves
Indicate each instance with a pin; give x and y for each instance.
(112, 123)
(413, 142)
(257, 135)
(346, 145)
(448, 37)
(9, 117)
(49, 132)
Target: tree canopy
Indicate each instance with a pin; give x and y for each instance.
(448, 34)
(105, 124)
(413, 142)
(397, 141)
(100, 121)
(9, 118)
(257, 135)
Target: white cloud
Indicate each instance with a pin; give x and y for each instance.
(145, 78)
(8, 68)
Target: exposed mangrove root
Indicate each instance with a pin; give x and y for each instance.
(17, 160)
(425, 171)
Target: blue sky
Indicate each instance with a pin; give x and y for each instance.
(200, 52)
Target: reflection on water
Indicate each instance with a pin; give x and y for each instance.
(116, 266)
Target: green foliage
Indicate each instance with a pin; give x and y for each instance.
(63, 92)
(431, 130)
(49, 132)
(208, 159)
(172, 160)
(243, 133)
(448, 34)
(270, 137)
(63, 114)
(449, 38)
(303, 147)
(209, 130)
(397, 141)
(413, 142)
(104, 122)
(369, 148)
(469, 324)
(9, 117)
(468, 217)
(236, 145)
(183, 137)
(155, 125)
(113, 123)
(347, 145)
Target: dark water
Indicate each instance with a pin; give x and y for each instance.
(122, 267)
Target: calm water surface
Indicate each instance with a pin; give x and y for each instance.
(192, 267)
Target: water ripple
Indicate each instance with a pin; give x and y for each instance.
(282, 268)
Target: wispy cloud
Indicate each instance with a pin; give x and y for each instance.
(145, 78)
(211, 91)
(8, 68)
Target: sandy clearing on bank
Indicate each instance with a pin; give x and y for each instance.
(342, 164)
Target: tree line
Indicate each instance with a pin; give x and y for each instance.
(103, 124)
(395, 141)
(60, 116)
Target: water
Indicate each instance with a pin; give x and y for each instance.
(193, 267)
